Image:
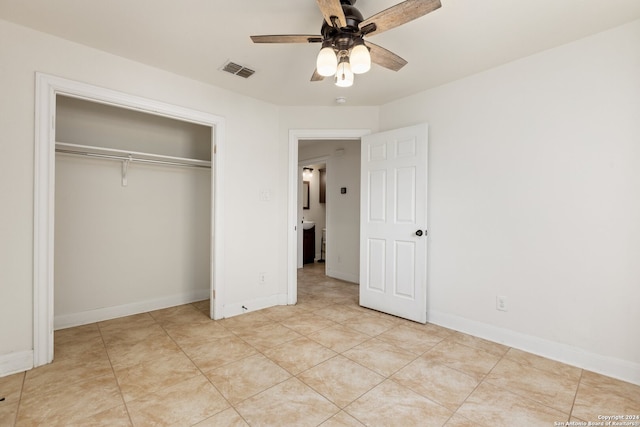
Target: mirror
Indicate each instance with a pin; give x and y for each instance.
(305, 195)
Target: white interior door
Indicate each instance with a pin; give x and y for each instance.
(393, 222)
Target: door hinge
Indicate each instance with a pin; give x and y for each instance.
(214, 294)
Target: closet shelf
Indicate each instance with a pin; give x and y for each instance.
(132, 156)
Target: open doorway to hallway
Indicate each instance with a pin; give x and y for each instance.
(329, 207)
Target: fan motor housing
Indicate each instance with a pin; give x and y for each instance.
(343, 38)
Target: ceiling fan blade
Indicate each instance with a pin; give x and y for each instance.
(316, 77)
(384, 57)
(287, 38)
(332, 8)
(397, 15)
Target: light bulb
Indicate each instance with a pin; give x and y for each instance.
(327, 62)
(344, 75)
(360, 59)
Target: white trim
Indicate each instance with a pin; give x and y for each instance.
(106, 313)
(47, 87)
(13, 363)
(292, 218)
(609, 366)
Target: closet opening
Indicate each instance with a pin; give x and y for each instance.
(132, 212)
(130, 189)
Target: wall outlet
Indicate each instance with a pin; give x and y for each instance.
(501, 303)
(262, 278)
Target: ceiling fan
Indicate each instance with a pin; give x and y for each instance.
(344, 50)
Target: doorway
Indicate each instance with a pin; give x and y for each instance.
(294, 236)
(47, 89)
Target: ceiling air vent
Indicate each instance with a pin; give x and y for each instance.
(238, 70)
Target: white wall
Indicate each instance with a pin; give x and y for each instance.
(534, 194)
(247, 250)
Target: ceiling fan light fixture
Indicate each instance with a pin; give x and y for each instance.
(344, 75)
(360, 59)
(327, 61)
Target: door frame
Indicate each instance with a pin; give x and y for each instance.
(47, 88)
(296, 135)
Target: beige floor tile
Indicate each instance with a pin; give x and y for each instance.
(129, 336)
(73, 337)
(282, 312)
(313, 303)
(299, 355)
(155, 374)
(290, 403)
(227, 418)
(214, 354)
(197, 333)
(341, 380)
(479, 343)
(460, 421)
(442, 384)
(430, 328)
(65, 372)
(125, 355)
(307, 323)
(268, 336)
(370, 324)
(11, 390)
(181, 314)
(489, 405)
(11, 387)
(69, 404)
(240, 380)
(556, 391)
(204, 306)
(79, 349)
(544, 364)
(246, 322)
(182, 404)
(136, 321)
(114, 417)
(390, 404)
(8, 413)
(381, 357)
(471, 361)
(342, 419)
(412, 339)
(338, 313)
(339, 338)
(600, 395)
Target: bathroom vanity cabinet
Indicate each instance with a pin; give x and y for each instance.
(309, 245)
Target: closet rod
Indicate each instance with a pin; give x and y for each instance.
(133, 159)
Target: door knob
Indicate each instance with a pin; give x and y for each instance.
(419, 233)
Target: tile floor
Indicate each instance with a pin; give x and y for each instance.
(325, 361)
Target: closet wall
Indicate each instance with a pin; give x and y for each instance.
(122, 249)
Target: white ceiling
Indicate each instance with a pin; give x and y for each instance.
(194, 38)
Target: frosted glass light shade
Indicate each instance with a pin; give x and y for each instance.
(360, 59)
(327, 62)
(344, 75)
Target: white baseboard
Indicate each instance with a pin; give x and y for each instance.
(616, 368)
(13, 363)
(348, 277)
(91, 316)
